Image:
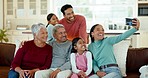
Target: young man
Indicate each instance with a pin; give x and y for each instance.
(75, 25)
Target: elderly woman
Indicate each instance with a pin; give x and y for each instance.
(34, 55)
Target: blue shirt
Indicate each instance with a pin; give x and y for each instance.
(50, 33)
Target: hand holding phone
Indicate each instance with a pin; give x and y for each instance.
(129, 21)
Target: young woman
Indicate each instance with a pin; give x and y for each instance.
(102, 49)
(52, 21)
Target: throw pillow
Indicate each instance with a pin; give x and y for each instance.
(120, 51)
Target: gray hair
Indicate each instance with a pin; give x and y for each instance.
(57, 26)
(36, 28)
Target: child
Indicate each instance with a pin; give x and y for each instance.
(81, 59)
(104, 63)
(52, 21)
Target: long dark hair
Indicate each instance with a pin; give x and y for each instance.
(49, 17)
(91, 30)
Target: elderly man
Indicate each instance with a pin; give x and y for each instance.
(60, 67)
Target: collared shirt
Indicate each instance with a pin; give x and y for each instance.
(102, 50)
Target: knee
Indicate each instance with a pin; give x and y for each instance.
(115, 75)
(60, 75)
(64, 74)
(37, 74)
(13, 74)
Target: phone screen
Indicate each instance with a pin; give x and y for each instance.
(129, 22)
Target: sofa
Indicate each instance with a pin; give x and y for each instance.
(6, 56)
(136, 57)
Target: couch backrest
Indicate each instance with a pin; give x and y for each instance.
(6, 53)
(136, 57)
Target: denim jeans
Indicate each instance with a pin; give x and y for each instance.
(112, 72)
(13, 74)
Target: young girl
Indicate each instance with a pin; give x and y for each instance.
(81, 59)
(52, 20)
(102, 49)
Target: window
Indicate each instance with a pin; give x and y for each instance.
(99, 11)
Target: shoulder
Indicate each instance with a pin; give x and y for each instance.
(69, 42)
(79, 17)
(62, 20)
(90, 45)
(51, 43)
(50, 26)
(72, 54)
(30, 42)
(49, 46)
(88, 53)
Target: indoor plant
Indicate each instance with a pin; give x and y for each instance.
(3, 35)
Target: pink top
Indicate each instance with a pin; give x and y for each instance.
(81, 62)
(77, 28)
(30, 56)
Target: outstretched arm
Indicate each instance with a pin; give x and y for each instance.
(116, 39)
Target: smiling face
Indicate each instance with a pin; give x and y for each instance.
(69, 14)
(80, 46)
(98, 33)
(42, 35)
(54, 20)
(60, 35)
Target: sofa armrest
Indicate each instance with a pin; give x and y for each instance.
(136, 57)
(6, 53)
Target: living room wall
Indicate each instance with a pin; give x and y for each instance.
(1, 14)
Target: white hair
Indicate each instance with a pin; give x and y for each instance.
(57, 26)
(36, 28)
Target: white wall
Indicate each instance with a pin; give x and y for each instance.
(143, 37)
(1, 14)
(143, 23)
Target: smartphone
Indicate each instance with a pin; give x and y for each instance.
(129, 22)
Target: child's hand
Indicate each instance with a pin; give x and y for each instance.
(82, 74)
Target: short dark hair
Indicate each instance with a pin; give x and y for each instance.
(65, 7)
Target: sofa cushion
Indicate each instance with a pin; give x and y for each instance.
(120, 51)
(4, 71)
(136, 57)
(6, 53)
(132, 75)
